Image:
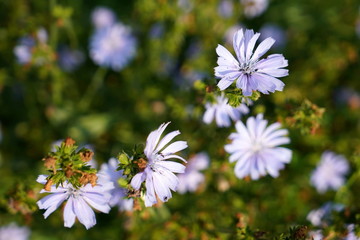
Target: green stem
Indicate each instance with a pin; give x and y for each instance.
(93, 87)
(53, 29)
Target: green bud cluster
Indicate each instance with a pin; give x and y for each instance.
(68, 163)
(131, 164)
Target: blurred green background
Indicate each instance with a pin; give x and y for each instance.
(176, 42)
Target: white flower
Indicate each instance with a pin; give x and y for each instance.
(23, 51)
(322, 216)
(222, 112)
(351, 234)
(14, 232)
(249, 71)
(78, 201)
(113, 46)
(316, 235)
(118, 194)
(103, 17)
(159, 174)
(255, 148)
(192, 178)
(330, 172)
(253, 8)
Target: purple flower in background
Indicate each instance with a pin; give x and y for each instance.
(118, 194)
(23, 51)
(78, 201)
(322, 216)
(103, 17)
(113, 46)
(159, 174)
(255, 148)
(230, 32)
(249, 72)
(157, 30)
(192, 178)
(70, 59)
(316, 235)
(275, 32)
(351, 235)
(330, 172)
(223, 112)
(253, 8)
(225, 8)
(14, 232)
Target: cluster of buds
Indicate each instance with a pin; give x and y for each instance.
(308, 118)
(69, 164)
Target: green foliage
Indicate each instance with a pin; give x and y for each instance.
(170, 79)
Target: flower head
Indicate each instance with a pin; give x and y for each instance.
(225, 8)
(78, 201)
(274, 31)
(70, 59)
(103, 17)
(118, 194)
(255, 148)
(159, 174)
(322, 216)
(253, 8)
(192, 178)
(222, 112)
(249, 72)
(330, 172)
(14, 232)
(113, 46)
(23, 51)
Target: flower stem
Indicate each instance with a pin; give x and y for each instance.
(94, 85)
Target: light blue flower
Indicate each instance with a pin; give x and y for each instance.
(159, 174)
(70, 59)
(330, 172)
(103, 17)
(23, 51)
(225, 8)
(222, 112)
(14, 232)
(118, 194)
(78, 201)
(113, 46)
(192, 178)
(248, 71)
(253, 8)
(275, 32)
(322, 216)
(255, 150)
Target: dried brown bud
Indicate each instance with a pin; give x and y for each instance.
(86, 155)
(69, 142)
(69, 172)
(141, 163)
(209, 89)
(48, 184)
(137, 205)
(88, 178)
(50, 162)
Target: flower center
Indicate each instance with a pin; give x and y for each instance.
(257, 147)
(74, 192)
(247, 67)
